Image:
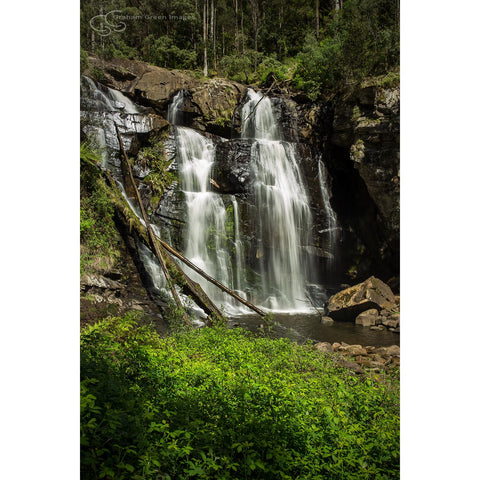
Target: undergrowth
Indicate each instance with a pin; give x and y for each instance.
(215, 403)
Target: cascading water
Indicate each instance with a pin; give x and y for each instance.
(102, 108)
(283, 213)
(333, 227)
(239, 253)
(213, 236)
(206, 239)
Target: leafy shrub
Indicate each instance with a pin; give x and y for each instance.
(223, 404)
(164, 53)
(153, 157)
(319, 67)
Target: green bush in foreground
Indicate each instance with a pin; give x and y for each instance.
(222, 404)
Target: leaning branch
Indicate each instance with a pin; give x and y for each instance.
(210, 279)
(151, 235)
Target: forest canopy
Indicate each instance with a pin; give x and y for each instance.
(313, 45)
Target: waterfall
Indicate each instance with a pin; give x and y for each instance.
(206, 237)
(174, 113)
(332, 223)
(278, 207)
(239, 254)
(102, 107)
(283, 213)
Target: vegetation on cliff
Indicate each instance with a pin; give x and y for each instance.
(98, 235)
(218, 403)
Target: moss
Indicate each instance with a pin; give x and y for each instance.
(154, 158)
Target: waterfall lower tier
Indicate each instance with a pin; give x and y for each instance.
(207, 241)
(284, 224)
(282, 209)
(333, 227)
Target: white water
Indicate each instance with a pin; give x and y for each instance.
(174, 114)
(206, 238)
(332, 223)
(239, 253)
(283, 213)
(105, 107)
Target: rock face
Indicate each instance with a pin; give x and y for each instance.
(356, 136)
(209, 105)
(232, 170)
(370, 294)
(365, 138)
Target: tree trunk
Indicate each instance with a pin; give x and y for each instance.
(237, 46)
(205, 27)
(241, 24)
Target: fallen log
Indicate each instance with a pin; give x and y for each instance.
(210, 279)
(187, 285)
(151, 235)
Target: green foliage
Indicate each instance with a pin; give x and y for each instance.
(361, 40)
(319, 66)
(97, 74)
(237, 67)
(97, 229)
(218, 403)
(358, 41)
(83, 60)
(118, 48)
(164, 53)
(282, 71)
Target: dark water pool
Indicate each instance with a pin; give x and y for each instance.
(303, 327)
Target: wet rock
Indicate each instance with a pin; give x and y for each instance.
(366, 128)
(214, 101)
(367, 318)
(335, 346)
(377, 328)
(232, 171)
(391, 323)
(99, 281)
(348, 304)
(392, 350)
(327, 321)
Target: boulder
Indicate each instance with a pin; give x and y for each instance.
(350, 365)
(324, 347)
(355, 350)
(367, 318)
(327, 321)
(370, 294)
(391, 323)
(209, 106)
